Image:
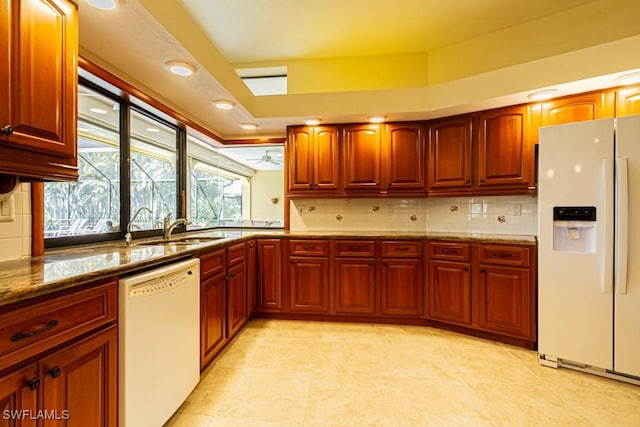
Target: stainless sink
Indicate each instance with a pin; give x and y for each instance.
(179, 241)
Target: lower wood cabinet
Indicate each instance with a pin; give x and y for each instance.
(354, 285)
(483, 286)
(449, 292)
(401, 287)
(72, 358)
(309, 284)
(269, 275)
(82, 380)
(213, 303)
(252, 258)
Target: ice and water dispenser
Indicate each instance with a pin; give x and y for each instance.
(574, 228)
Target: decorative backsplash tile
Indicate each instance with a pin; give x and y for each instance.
(499, 214)
(15, 236)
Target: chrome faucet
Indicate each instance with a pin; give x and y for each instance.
(169, 226)
(127, 237)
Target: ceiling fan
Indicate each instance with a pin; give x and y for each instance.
(266, 158)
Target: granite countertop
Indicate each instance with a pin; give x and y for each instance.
(64, 268)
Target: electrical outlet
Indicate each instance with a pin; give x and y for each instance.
(516, 209)
(8, 209)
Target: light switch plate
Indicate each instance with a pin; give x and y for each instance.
(8, 209)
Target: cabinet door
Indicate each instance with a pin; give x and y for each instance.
(628, 101)
(404, 157)
(17, 394)
(269, 275)
(401, 287)
(504, 301)
(577, 108)
(212, 317)
(449, 291)
(354, 286)
(450, 153)
(309, 284)
(299, 157)
(236, 298)
(82, 379)
(252, 254)
(326, 164)
(38, 79)
(361, 157)
(505, 149)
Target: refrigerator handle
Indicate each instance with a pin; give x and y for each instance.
(607, 267)
(622, 225)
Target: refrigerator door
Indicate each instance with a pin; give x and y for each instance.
(575, 300)
(627, 289)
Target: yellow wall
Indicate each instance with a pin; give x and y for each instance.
(264, 186)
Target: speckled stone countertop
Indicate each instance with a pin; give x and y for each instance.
(64, 268)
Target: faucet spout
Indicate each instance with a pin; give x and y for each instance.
(170, 226)
(127, 237)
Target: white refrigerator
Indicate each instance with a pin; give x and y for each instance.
(589, 247)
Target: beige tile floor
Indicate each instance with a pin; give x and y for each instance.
(286, 373)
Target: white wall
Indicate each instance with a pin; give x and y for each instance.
(15, 236)
(494, 215)
(266, 185)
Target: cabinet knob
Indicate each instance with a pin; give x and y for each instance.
(467, 182)
(54, 372)
(33, 383)
(7, 130)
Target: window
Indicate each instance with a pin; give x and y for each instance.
(91, 205)
(134, 159)
(154, 171)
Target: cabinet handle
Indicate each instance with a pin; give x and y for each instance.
(355, 248)
(401, 248)
(449, 251)
(251, 246)
(20, 335)
(467, 182)
(309, 248)
(502, 255)
(7, 130)
(54, 372)
(33, 383)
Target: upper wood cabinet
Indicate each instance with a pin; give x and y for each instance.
(361, 157)
(577, 108)
(312, 159)
(403, 157)
(505, 149)
(38, 82)
(450, 153)
(628, 101)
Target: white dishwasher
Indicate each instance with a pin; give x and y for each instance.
(159, 342)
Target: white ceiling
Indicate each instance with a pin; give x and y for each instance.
(134, 41)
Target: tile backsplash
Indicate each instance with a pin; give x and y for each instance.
(15, 236)
(498, 214)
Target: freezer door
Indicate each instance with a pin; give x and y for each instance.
(575, 298)
(627, 283)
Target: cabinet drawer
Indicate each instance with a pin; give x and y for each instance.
(27, 331)
(355, 248)
(212, 263)
(236, 253)
(309, 247)
(402, 248)
(504, 255)
(449, 251)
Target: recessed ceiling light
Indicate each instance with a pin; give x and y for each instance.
(249, 126)
(224, 104)
(153, 130)
(180, 68)
(312, 122)
(103, 4)
(98, 110)
(377, 119)
(541, 95)
(629, 79)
